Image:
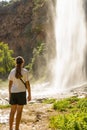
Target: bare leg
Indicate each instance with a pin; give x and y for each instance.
(18, 116)
(11, 118)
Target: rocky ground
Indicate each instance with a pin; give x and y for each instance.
(35, 117)
(36, 114)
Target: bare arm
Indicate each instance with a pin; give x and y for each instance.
(10, 85)
(29, 90)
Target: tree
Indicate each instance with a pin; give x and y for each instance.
(38, 62)
(6, 60)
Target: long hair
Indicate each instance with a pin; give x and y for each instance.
(19, 61)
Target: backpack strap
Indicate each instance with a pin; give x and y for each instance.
(23, 82)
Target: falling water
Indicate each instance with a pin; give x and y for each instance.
(70, 33)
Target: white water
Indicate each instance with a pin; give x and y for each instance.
(70, 32)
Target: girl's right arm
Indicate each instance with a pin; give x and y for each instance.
(29, 90)
(10, 85)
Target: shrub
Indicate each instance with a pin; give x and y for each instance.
(6, 60)
(61, 105)
(74, 115)
(69, 121)
(49, 101)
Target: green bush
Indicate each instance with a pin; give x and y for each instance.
(6, 60)
(61, 105)
(49, 101)
(82, 103)
(69, 121)
(65, 104)
(4, 106)
(73, 117)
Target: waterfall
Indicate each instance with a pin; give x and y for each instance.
(70, 33)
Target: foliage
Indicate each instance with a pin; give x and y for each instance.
(73, 117)
(14, 0)
(77, 121)
(38, 59)
(49, 100)
(64, 104)
(6, 60)
(4, 106)
(61, 105)
(3, 3)
(37, 4)
(82, 104)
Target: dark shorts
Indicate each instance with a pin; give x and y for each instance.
(18, 98)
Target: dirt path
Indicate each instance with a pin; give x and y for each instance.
(35, 117)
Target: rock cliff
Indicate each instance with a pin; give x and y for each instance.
(24, 24)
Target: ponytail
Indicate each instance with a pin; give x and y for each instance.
(19, 61)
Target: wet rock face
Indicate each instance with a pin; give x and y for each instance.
(26, 23)
(13, 21)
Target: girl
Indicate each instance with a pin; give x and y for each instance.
(17, 92)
